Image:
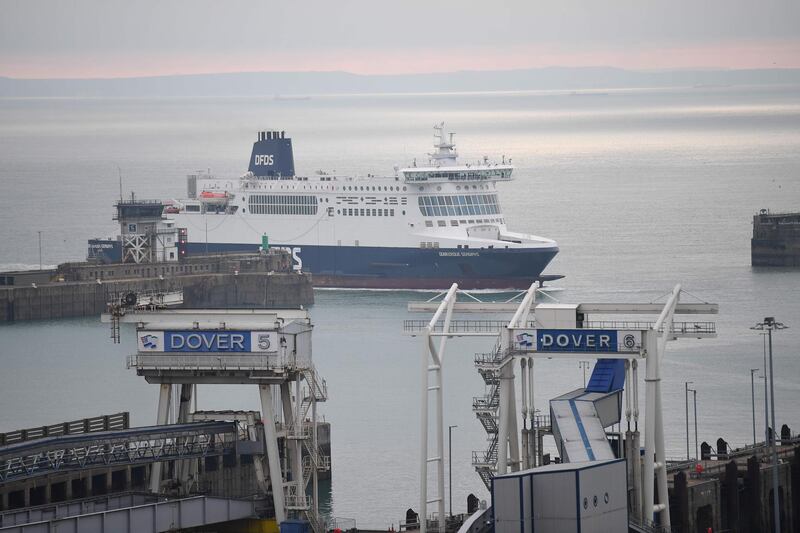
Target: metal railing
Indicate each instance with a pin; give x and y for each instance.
(213, 362)
(542, 421)
(296, 498)
(683, 328)
(460, 326)
(488, 358)
(484, 458)
(74, 427)
(647, 526)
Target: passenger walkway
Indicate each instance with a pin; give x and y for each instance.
(47, 455)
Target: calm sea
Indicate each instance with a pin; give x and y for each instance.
(641, 189)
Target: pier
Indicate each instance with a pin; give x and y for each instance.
(221, 281)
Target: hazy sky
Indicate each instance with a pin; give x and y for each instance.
(109, 38)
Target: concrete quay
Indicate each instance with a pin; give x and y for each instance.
(213, 281)
(734, 491)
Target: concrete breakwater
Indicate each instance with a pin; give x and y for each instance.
(84, 289)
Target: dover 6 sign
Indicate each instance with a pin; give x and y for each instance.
(579, 340)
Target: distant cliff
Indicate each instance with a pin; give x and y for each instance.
(310, 83)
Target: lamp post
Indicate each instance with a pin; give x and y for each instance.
(696, 449)
(40, 249)
(450, 455)
(769, 324)
(686, 401)
(584, 365)
(766, 392)
(753, 401)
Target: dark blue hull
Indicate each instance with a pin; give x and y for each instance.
(409, 268)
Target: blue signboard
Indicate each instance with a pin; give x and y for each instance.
(206, 341)
(576, 340)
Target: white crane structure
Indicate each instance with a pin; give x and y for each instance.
(270, 348)
(540, 330)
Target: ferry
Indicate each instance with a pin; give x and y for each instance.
(420, 227)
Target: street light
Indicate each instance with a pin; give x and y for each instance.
(450, 455)
(40, 249)
(696, 449)
(753, 400)
(584, 365)
(769, 324)
(766, 392)
(686, 400)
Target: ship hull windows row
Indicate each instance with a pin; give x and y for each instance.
(461, 205)
(274, 204)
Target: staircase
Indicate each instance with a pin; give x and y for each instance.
(486, 410)
(316, 390)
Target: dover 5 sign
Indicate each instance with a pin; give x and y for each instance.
(214, 341)
(578, 340)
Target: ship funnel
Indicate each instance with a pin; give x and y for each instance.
(272, 156)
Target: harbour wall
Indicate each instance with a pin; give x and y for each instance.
(737, 496)
(224, 281)
(776, 239)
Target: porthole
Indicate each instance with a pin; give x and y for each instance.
(586, 503)
(605, 497)
(594, 500)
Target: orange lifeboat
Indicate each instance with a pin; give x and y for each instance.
(213, 198)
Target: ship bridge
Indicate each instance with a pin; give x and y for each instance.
(443, 164)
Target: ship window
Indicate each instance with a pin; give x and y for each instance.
(454, 222)
(272, 204)
(391, 211)
(441, 223)
(429, 223)
(459, 205)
